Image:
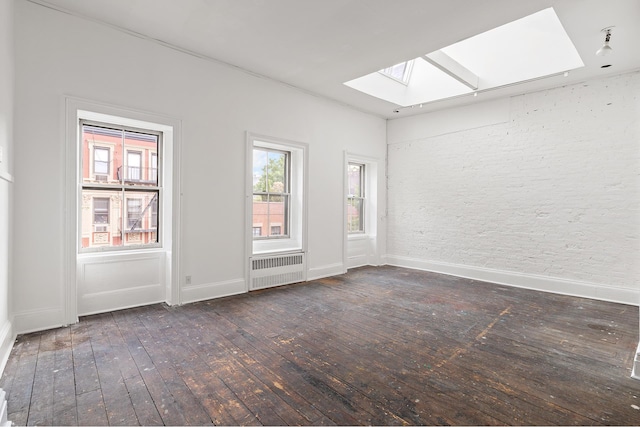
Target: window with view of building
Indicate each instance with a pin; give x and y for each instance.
(271, 192)
(276, 194)
(355, 198)
(120, 195)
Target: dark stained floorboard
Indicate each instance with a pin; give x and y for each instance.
(379, 346)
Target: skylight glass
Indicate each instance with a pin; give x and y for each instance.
(529, 48)
(400, 72)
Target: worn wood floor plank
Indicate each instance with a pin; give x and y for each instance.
(41, 407)
(164, 401)
(64, 390)
(379, 346)
(204, 345)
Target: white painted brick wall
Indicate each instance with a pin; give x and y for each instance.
(553, 192)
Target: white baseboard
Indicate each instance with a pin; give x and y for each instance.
(357, 261)
(635, 373)
(522, 280)
(325, 271)
(212, 290)
(7, 338)
(37, 320)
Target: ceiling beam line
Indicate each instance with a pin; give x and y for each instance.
(453, 68)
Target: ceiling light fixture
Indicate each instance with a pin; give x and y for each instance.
(605, 49)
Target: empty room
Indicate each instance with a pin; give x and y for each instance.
(319, 212)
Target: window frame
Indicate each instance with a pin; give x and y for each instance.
(361, 198)
(125, 186)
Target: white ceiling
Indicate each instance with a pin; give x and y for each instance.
(317, 45)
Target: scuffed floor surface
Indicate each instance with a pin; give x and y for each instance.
(381, 346)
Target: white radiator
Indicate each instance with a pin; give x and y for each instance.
(276, 270)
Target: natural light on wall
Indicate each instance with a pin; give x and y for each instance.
(529, 48)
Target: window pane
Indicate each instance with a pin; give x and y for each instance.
(141, 218)
(260, 214)
(270, 176)
(101, 218)
(355, 215)
(97, 146)
(276, 172)
(399, 71)
(141, 166)
(259, 171)
(278, 215)
(119, 215)
(354, 179)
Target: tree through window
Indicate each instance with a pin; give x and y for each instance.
(271, 193)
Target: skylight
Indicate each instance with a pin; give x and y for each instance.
(399, 72)
(532, 47)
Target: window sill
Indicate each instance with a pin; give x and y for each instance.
(358, 236)
(277, 252)
(122, 252)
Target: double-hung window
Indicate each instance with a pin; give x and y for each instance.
(271, 193)
(119, 203)
(276, 186)
(355, 198)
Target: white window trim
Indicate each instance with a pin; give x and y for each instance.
(76, 109)
(297, 239)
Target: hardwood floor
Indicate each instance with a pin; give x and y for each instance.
(382, 346)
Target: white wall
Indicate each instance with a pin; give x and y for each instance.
(539, 191)
(216, 104)
(6, 146)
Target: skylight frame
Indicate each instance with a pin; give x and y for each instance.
(406, 74)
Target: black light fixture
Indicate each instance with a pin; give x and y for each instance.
(605, 49)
